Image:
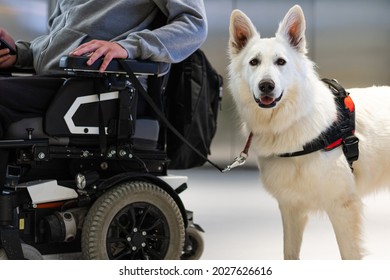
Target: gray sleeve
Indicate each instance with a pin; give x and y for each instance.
(25, 56)
(185, 32)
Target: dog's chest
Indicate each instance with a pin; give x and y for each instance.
(310, 179)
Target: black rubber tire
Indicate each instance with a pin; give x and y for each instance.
(129, 215)
(29, 253)
(197, 244)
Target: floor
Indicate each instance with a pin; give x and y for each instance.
(242, 221)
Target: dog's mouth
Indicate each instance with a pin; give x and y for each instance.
(268, 101)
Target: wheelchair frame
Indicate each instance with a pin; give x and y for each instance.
(98, 188)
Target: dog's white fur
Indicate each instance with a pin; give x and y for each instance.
(320, 181)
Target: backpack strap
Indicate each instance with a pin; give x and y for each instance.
(102, 131)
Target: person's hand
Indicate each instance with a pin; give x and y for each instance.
(97, 48)
(6, 59)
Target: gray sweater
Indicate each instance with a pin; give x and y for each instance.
(128, 22)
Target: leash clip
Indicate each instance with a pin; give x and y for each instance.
(238, 161)
(241, 159)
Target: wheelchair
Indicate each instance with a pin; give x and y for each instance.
(91, 176)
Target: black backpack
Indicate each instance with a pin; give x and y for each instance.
(194, 93)
(192, 100)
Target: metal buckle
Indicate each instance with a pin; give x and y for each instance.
(238, 161)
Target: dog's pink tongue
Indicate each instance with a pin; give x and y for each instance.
(266, 100)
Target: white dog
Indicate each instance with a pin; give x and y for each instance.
(287, 108)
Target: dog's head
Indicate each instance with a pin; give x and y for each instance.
(268, 66)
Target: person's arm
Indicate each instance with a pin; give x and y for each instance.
(25, 55)
(185, 31)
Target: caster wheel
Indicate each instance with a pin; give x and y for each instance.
(194, 247)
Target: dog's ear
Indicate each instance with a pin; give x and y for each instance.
(241, 30)
(293, 28)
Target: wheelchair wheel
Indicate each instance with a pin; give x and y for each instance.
(196, 245)
(134, 220)
(29, 253)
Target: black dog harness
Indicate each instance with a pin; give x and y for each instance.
(340, 133)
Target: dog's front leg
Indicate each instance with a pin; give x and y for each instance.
(345, 216)
(294, 219)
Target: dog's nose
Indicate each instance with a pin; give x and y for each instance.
(266, 86)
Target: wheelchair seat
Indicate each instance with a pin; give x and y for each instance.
(74, 111)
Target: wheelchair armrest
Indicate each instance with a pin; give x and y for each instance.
(74, 64)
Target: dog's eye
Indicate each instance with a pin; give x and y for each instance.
(280, 62)
(254, 62)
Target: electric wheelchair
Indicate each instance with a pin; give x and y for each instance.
(91, 176)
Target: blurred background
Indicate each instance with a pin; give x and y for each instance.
(348, 39)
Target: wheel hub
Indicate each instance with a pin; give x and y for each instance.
(138, 231)
(138, 239)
